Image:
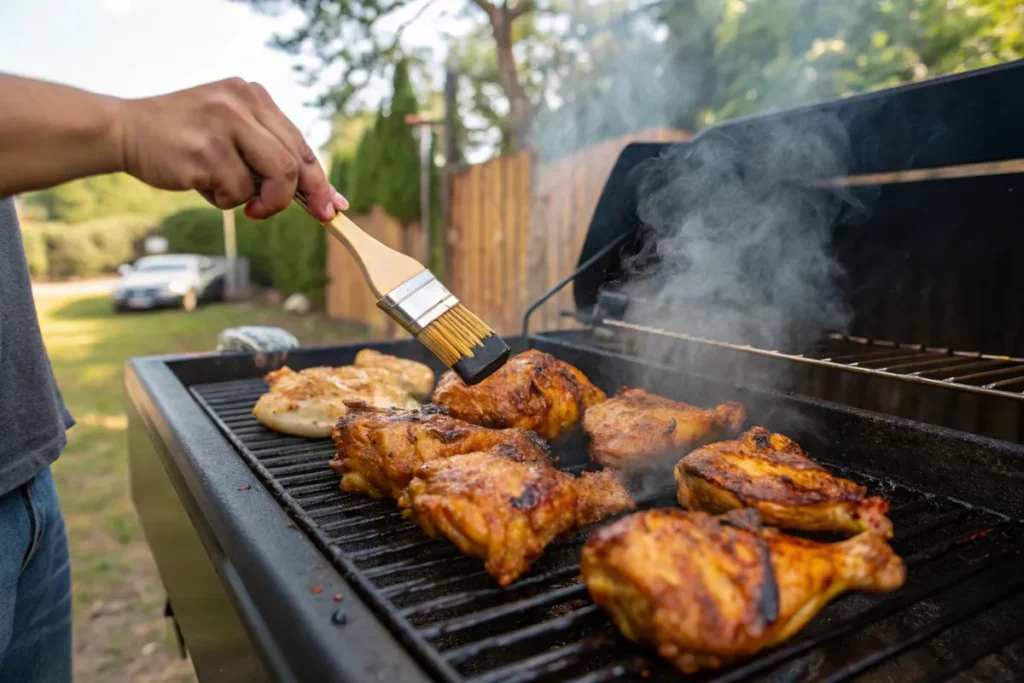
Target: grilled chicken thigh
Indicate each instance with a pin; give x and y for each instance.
(504, 511)
(636, 428)
(380, 449)
(308, 403)
(533, 390)
(770, 472)
(705, 593)
(416, 378)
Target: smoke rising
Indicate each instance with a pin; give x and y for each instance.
(739, 235)
(738, 248)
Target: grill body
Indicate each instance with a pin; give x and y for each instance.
(280, 540)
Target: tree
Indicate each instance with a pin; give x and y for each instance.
(398, 169)
(341, 167)
(362, 183)
(348, 33)
(104, 196)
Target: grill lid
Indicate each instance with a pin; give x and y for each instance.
(924, 250)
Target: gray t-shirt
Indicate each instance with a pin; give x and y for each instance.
(33, 418)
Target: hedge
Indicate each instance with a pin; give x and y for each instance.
(57, 250)
(287, 251)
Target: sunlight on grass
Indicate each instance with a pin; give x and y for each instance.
(118, 598)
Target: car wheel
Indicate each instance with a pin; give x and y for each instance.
(190, 301)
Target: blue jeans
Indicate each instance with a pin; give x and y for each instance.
(35, 586)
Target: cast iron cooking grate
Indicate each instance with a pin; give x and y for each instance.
(957, 617)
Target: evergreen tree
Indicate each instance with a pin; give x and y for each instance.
(341, 169)
(362, 185)
(398, 172)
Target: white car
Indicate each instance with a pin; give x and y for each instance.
(172, 280)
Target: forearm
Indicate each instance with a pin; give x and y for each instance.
(51, 133)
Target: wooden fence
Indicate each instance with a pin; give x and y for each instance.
(486, 243)
(486, 259)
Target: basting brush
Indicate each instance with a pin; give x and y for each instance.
(417, 301)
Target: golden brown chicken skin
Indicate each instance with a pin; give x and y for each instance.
(533, 390)
(770, 472)
(504, 511)
(380, 449)
(705, 593)
(637, 428)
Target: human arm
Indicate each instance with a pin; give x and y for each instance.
(209, 138)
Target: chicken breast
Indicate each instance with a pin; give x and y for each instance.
(533, 390)
(770, 472)
(705, 593)
(416, 378)
(504, 511)
(308, 403)
(379, 449)
(636, 428)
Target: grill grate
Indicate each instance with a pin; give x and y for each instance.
(970, 371)
(964, 564)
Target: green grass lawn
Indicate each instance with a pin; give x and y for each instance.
(120, 631)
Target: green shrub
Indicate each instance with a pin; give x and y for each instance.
(35, 252)
(57, 250)
(286, 251)
(195, 231)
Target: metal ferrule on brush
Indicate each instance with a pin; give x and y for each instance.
(417, 302)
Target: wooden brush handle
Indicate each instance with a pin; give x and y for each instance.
(383, 268)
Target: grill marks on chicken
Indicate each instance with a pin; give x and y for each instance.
(308, 403)
(380, 449)
(533, 390)
(506, 511)
(637, 428)
(769, 472)
(705, 593)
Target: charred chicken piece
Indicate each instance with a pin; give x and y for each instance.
(770, 472)
(416, 378)
(637, 428)
(308, 403)
(705, 593)
(503, 511)
(533, 390)
(380, 449)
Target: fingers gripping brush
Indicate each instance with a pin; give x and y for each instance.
(424, 307)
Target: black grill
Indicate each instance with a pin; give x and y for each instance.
(965, 582)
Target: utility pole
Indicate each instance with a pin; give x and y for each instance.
(231, 253)
(449, 149)
(425, 163)
(424, 133)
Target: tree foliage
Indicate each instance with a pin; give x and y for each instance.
(340, 169)
(104, 196)
(586, 69)
(398, 168)
(362, 183)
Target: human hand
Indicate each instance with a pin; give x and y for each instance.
(212, 138)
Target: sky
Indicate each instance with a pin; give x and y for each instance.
(135, 48)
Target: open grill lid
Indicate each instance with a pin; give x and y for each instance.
(929, 256)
